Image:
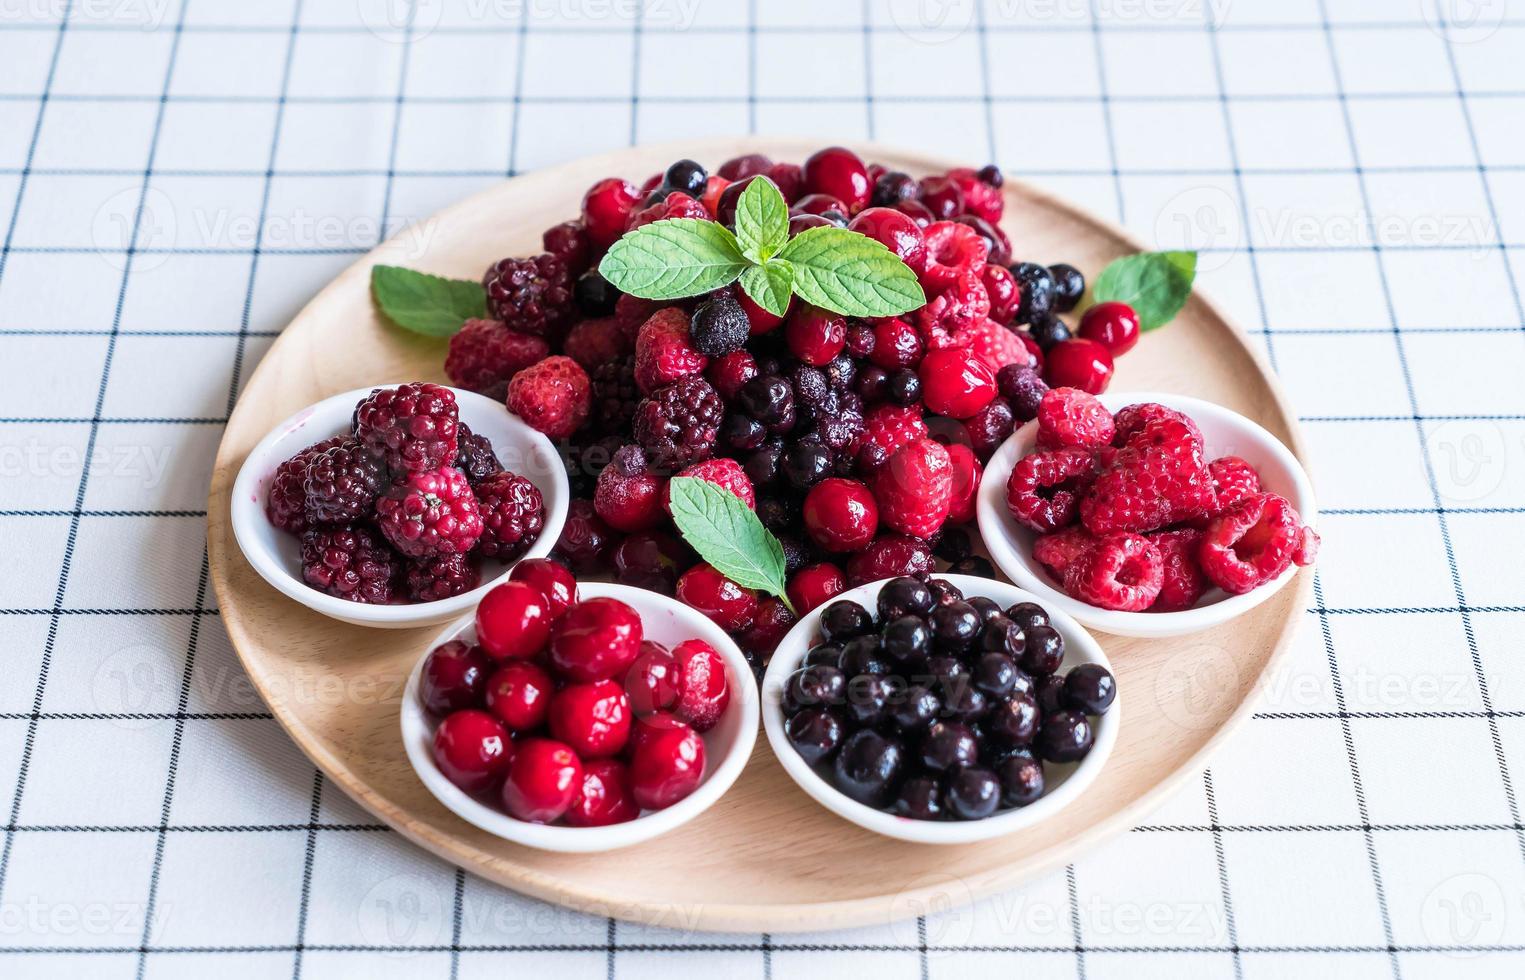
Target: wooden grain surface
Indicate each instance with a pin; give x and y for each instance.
(766, 857)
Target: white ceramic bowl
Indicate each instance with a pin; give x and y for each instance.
(727, 746)
(1226, 433)
(276, 555)
(1064, 782)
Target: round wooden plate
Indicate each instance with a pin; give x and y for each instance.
(766, 857)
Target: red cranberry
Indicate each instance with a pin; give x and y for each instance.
(568, 241)
(666, 761)
(1001, 286)
(728, 604)
(604, 797)
(805, 222)
(513, 621)
(1113, 325)
(594, 719)
(472, 749)
(895, 231)
(815, 335)
(916, 211)
(652, 681)
(897, 344)
(543, 779)
(650, 560)
(606, 208)
(519, 693)
(703, 689)
(552, 580)
(730, 371)
(737, 168)
(941, 196)
(454, 677)
(956, 383)
(1079, 363)
(761, 320)
(815, 584)
(773, 621)
(817, 204)
(725, 207)
(840, 515)
(839, 172)
(585, 539)
(596, 639)
(790, 179)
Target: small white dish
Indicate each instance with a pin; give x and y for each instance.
(1226, 433)
(727, 746)
(276, 555)
(1064, 782)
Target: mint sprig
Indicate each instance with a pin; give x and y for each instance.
(425, 304)
(1155, 284)
(832, 268)
(727, 534)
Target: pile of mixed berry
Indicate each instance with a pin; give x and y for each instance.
(945, 708)
(403, 506)
(859, 442)
(1135, 517)
(563, 711)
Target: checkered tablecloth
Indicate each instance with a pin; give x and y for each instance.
(177, 177)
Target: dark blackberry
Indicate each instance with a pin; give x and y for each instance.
(1037, 285)
(952, 544)
(286, 505)
(513, 515)
(441, 577)
(719, 325)
(476, 457)
(891, 188)
(775, 514)
(904, 387)
(678, 424)
(414, 426)
(810, 386)
(1069, 286)
(796, 552)
(342, 484)
(595, 295)
(1047, 331)
(841, 371)
(686, 176)
(351, 562)
(615, 395)
(531, 295)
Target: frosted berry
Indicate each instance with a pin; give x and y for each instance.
(412, 427)
(679, 423)
(475, 457)
(350, 562)
(914, 488)
(554, 396)
(513, 515)
(1120, 571)
(531, 295)
(342, 483)
(629, 496)
(1071, 418)
(484, 355)
(1044, 490)
(1182, 581)
(286, 503)
(703, 689)
(664, 351)
(594, 343)
(719, 325)
(430, 513)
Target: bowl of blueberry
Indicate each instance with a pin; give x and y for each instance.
(941, 711)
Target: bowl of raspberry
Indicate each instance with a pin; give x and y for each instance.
(397, 506)
(579, 717)
(941, 711)
(1146, 514)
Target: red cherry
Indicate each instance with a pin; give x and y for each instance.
(745, 166)
(896, 231)
(1005, 295)
(512, 621)
(1079, 363)
(592, 718)
(966, 482)
(605, 209)
(729, 372)
(773, 621)
(519, 693)
(728, 604)
(552, 579)
(817, 204)
(604, 797)
(839, 172)
(597, 638)
(815, 335)
(942, 196)
(1113, 325)
(815, 584)
(1034, 352)
(652, 681)
(790, 180)
(804, 222)
(956, 383)
(760, 319)
(713, 188)
(666, 761)
(703, 689)
(897, 344)
(454, 677)
(916, 211)
(725, 205)
(840, 514)
(472, 749)
(543, 779)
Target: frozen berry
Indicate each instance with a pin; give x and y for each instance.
(606, 208)
(1023, 388)
(542, 780)
(773, 621)
(730, 371)
(552, 580)
(1233, 480)
(433, 512)
(350, 562)
(1120, 571)
(650, 560)
(568, 241)
(652, 680)
(955, 383)
(1047, 332)
(484, 355)
(746, 165)
(897, 344)
(966, 482)
(891, 188)
(868, 767)
(815, 734)
(719, 325)
(703, 689)
(341, 484)
(413, 426)
(513, 621)
(666, 761)
(1182, 582)
(679, 424)
(1113, 325)
(1038, 291)
(841, 515)
(629, 496)
(440, 577)
(596, 639)
(988, 428)
(760, 320)
(286, 504)
(914, 488)
(704, 588)
(476, 457)
(513, 515)
(593, 718)
(841, 173)
(1005, 295)
(473, 750)
(723, 472)
(814, 335)
(889, 555)
(1066, 736)
(519, 694)
(815, 584)
(554, 396)
(1071, 418)
(531, 295)
(1250, 543)
(1045, 488)
(941, 196)
(454, 677)
(1079, 363)
(1090, 688)
(585, 539)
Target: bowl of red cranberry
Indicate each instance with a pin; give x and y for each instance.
(397, 506)
(941, 711)
(1146, 514)
(579, 717)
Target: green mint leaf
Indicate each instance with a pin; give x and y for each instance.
(1155, 284)
(430, 305)
(851, 274)
(762, 220)
(769, 285)
(727, 534)
(674, 258)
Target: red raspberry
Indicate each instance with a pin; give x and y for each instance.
(980, 198)
(1183, 583)
(342, 484)
(441, 577)
(628, 495)
(840, 514)
(631, 312)
(606, 209)
(886, 428)
(996, 346)
(568, 241)
(988, 428)
(513, 515)
(1121, 571)
(1159, 479)
(1058, 551)
(475, 457)
(897, 344)
(1130, 421)
(413, 426)
(1068, 417)
(703, 690)
(723, 472)
(678, 424)
(484, 354)
(596, 342)
(1306, 552)
(351, 562)
(676, 205)
(896, 232)
(1233, 480)
(952, 248)
(966, 483)
(815, 335)
(553, 397)
(286, 504)
(1044, 490)
(956, 383)
(732, 607)
(664, 353)
(955, 310)
(531, 295)
(1252, 543)
(914, 489)
(1002, 290)
(814, 585)
(430, 513)
(889, 556)
(729, 372)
